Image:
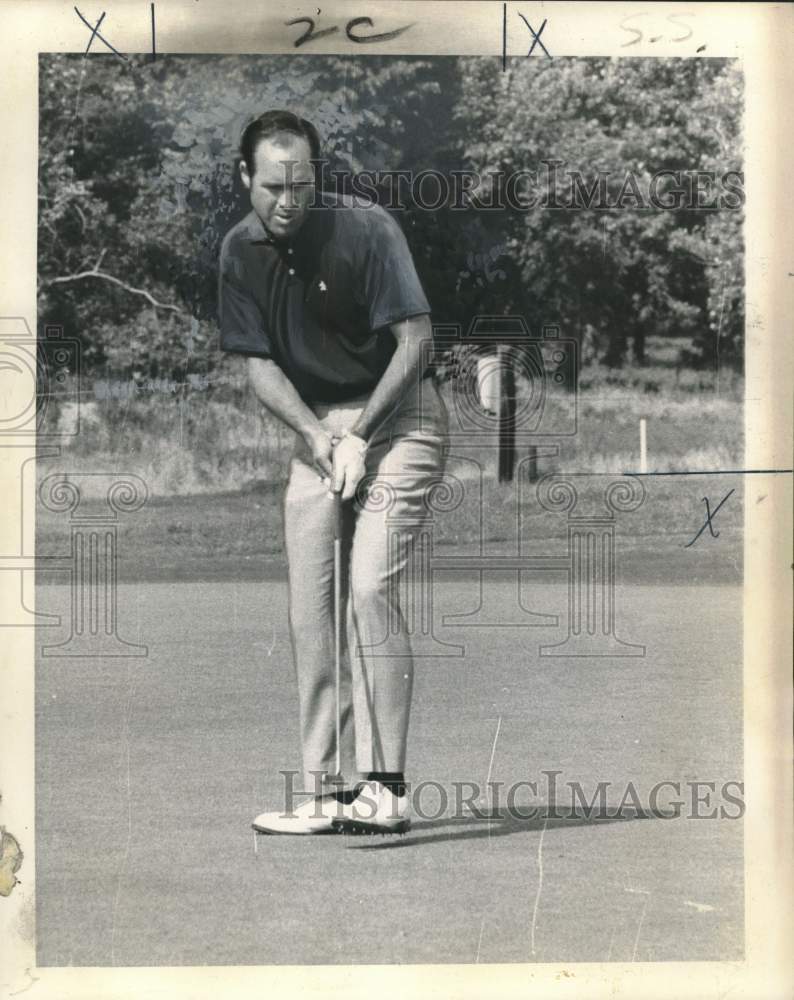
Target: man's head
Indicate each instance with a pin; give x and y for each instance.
(277, 150)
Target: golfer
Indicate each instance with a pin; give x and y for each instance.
(322, 297)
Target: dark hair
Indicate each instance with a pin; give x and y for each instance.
(270, 123)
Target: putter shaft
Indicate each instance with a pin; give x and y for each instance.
(338, 626)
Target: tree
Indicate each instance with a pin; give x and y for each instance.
(139, 182)
(631, 270)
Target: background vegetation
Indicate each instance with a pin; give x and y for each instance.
(138, 184)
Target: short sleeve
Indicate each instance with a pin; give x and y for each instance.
(242, 327)
(392, 288)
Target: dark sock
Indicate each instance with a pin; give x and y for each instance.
(393, 780)
(347, 796)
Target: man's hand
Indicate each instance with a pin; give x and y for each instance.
(349, 467)
(275, 391)
(321, 446)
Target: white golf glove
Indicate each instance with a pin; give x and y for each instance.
(349, 466)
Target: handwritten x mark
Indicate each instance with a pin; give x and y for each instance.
(95, 34)
(535, 35)
(709, 519)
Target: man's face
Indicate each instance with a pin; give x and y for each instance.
(282, 183)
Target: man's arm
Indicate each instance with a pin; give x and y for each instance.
(277, 394)
(275, 391)
(405, 369)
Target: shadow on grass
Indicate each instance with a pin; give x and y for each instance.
(500, 823)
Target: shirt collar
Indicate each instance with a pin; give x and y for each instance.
(258, 231)
(260, 235)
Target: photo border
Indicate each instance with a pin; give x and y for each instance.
(760, 35)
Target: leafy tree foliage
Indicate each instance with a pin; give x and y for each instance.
(631, 270)
(139, 182)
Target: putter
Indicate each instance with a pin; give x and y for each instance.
(338, 778)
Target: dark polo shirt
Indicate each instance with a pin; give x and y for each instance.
(320, 305)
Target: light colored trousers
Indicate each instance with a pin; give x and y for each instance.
(405, 457)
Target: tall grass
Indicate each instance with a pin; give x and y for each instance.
(222, 440)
